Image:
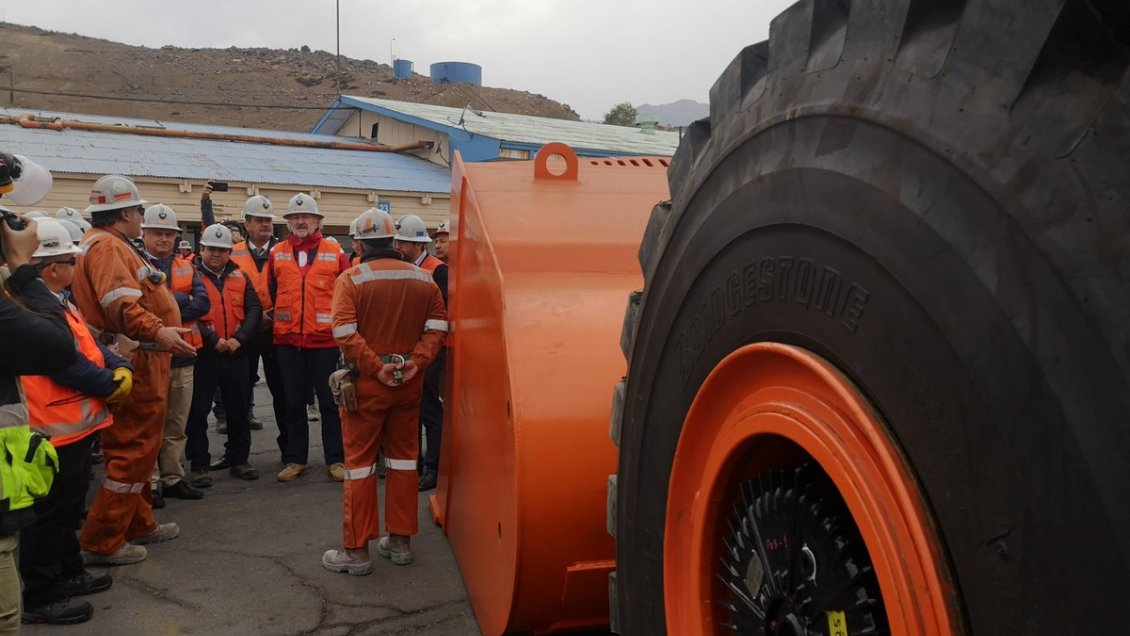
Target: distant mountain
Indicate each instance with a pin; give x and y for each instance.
(60, 71)
(680, 113)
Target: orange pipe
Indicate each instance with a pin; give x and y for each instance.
(28, 121)
(543, 261)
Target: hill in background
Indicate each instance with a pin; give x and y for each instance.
(213, 86)
(677, 113)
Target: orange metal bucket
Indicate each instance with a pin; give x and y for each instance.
(543, 257)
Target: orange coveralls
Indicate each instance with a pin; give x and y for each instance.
(113, 289)
(384, 306)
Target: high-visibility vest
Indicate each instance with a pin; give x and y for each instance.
(304, 304)
(430, 263)
(181, 282)
(60, 412)
(241, 255)
(227, 312)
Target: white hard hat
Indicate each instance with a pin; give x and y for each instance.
(353, 227)
(113, 192)
(37, 214)
(444, 227)
(184, 245)
(411, 229)
(54, 239)
(74, 216)
(260, 205)
(334, 239)
(33, 184)
(75, 231)
(375, 224)
(216, 235)
(302, 203)
(160, 217)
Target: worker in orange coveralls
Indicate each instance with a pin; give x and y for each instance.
(389, 321)
(121, 292)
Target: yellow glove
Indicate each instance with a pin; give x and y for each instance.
(124, 378)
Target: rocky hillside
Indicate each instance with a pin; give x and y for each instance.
(218, 86)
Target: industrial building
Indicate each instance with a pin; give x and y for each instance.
(170, 162)
(483, 135)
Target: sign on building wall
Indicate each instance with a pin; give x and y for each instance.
(385, 205)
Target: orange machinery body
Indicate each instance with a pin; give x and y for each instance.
(541, 268)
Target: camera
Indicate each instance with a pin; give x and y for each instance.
(219, 186)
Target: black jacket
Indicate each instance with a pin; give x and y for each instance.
(34, 343)
(252, 308)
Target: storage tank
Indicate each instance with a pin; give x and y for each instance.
(402, 69)
(452, 72)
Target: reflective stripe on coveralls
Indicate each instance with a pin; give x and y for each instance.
(116, 293)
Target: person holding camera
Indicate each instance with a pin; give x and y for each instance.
(69, 407)
(121, 292)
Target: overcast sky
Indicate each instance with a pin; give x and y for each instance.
(590, 54)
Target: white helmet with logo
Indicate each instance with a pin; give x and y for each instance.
(113, 192)
(411, 229)
(75, 231)
(54, 239)
(260, 205)
(353, 227)
(160, 217)
(216, 235)
(74, 216)
(302, 203)
(444, 227)
(375, 224)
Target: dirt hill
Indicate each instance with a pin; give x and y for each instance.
(216, 85)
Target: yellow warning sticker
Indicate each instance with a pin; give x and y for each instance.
(837, 623)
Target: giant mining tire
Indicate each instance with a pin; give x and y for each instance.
(930, 201)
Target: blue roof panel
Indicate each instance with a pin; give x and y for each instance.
(89, 152)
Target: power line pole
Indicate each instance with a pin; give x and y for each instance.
(337, 81)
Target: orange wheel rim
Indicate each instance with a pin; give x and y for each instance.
(757, 397)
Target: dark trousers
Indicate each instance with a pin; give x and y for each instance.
(431, 410)
(301, 367)
(229, 373)
(49, 549)
(262, 347)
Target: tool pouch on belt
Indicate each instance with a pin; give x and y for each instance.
(28, 465)
(344, 389)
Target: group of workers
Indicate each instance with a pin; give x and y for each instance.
(161, 335)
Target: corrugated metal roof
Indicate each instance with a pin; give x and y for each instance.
(522, 129)
(79, 151)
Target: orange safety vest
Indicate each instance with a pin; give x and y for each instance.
(227, 312)
(241, 255)
(430, 263)
(62, 413)
(304, 304)
(181, 281)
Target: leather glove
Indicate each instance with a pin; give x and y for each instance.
(124, 378)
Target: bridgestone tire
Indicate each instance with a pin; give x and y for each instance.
(935, 197)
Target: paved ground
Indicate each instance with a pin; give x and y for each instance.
(248, 561)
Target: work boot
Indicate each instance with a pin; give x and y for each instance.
(256, 425)
(337, 471)
(200, 477)
(64, 612)
(396, 548)
(244, 471)
(312, 413)
(292, 472)
(87, 583)
(164, 532)
(125, 555)
(156, 497)
(222, 463)
(182, 490)
(428, 480)
(355, 562)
